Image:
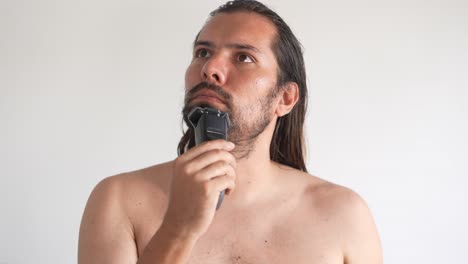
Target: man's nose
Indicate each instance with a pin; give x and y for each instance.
(215, 70)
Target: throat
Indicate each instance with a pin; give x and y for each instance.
(254, 180)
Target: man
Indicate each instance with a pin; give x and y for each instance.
(246, 62)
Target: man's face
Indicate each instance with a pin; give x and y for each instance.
(234, 70)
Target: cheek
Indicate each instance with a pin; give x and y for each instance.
(190, 76)
(261, 86)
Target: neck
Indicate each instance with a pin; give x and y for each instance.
(255, 172)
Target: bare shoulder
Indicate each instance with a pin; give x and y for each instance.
(330, 197)
(110, 217)
(318, 193)
(347, 213)
(138, 192)
(344, 215)
(322, 195)
(157, 176)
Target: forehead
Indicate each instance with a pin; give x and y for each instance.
(241, 28)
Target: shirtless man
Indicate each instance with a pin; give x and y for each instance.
(246, 62)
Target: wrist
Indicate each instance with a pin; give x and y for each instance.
(178, 235)
(168, 246)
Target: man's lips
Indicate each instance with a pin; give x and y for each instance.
(207, 95)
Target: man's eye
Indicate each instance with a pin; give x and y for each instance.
(244, 58)
(202, 53)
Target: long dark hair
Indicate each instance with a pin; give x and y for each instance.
(287, 145)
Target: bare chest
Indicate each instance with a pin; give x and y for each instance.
(267, 237)
(257, 240)
(278, 245)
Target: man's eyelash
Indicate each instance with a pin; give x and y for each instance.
(197, 51)
(246, 55)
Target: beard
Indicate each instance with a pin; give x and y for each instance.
(247, 122)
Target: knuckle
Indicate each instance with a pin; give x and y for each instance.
(228, 156)
(217, 152)
(222, 166)
(187, 169)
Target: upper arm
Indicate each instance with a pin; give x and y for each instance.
(361, 240)
(106, 233)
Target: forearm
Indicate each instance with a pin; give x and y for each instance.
(165, 247)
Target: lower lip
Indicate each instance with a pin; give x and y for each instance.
(208, 98)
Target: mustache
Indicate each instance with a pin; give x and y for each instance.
(213, 87)
(226, 97)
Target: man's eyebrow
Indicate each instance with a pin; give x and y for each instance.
(231, 45)
(203, 43)
(243, 46)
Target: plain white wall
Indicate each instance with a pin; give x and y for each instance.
(89, 89)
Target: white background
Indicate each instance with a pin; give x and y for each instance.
(89, 89)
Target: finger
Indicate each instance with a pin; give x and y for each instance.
(211, 157)
(213, 170)
(207, 146)
(222, 183)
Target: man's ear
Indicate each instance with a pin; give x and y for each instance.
(288, 96)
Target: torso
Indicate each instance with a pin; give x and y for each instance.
(295, 227)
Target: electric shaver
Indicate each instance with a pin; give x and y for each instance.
(209, 124)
